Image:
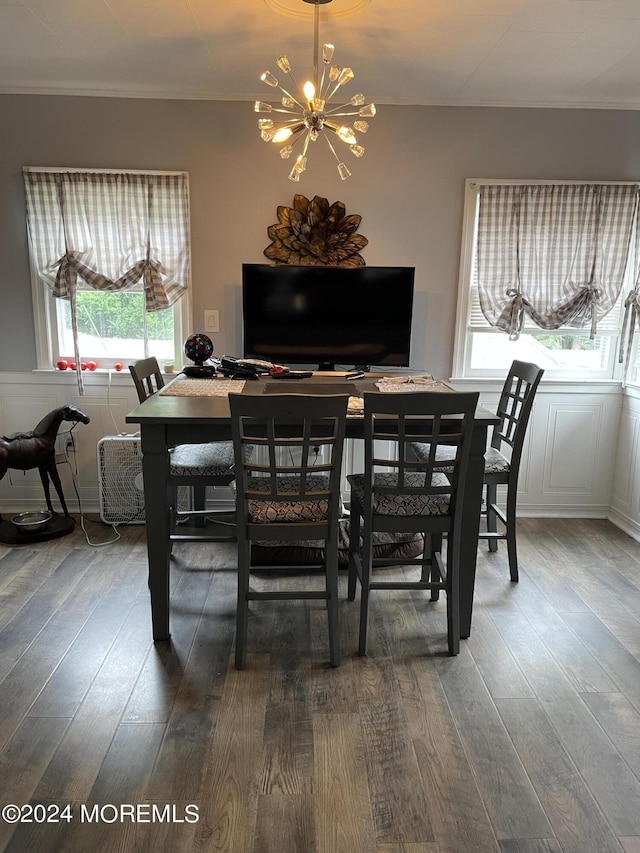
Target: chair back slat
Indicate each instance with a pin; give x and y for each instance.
(515, 404)
(288, 432)
(147, 377)
(395, 421)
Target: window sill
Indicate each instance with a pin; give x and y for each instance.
(566, 386)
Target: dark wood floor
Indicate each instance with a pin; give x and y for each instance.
(528, 742)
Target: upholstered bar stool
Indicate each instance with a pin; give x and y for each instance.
(194, 465)
(502, 459)
(399, 494)
(288, 492)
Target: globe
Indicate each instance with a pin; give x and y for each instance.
(198, 348)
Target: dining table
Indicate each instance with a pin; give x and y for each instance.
(192, 411)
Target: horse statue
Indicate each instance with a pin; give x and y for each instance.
(36, 449)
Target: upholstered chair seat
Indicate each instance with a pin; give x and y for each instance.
(403, 504)
(204, 460)
(284, 511)
(495, 462)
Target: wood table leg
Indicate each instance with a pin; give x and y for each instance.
(471, 525)
(155, 467)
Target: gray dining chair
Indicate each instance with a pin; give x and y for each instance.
(195, 466)
(288, 492)
(503, 457)
(399, 494)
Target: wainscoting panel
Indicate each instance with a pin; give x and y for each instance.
(572, 440)
(625, 491)
(569, 454)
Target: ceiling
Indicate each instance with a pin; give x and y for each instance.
(573, 53)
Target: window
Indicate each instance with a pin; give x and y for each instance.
(486, 347)
(110, 260)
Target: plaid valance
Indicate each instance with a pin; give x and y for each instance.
(554, 252)
(113, 230)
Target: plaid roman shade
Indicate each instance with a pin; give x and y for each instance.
(556, 253)
(113, 230)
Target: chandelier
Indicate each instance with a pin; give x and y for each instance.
(311, 113)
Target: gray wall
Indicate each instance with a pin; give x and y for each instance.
(408, 189)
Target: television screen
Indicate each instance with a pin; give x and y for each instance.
(327, 315)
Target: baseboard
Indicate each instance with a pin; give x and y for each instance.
(626, 524)
(562, 511)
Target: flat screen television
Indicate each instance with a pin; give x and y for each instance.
(328, 315)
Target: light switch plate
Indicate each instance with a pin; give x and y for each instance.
(212, 321)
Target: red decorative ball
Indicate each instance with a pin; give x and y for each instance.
(91, 365)
(72, 365)
(62, 364)
(117, 366)
(83, 365)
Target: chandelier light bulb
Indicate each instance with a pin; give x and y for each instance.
(347, 135)
(307, 116)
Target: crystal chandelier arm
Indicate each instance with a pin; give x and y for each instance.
(342, 169)
(262, 107)
(343, 78)
(289, 95)
(334, 111)
(333, 150)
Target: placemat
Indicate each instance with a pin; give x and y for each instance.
(203, 388)
(411, 384)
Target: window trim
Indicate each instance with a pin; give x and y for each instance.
(44, 307)
(462, 336)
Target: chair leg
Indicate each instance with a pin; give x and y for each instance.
(331, 568)
(354, 548)
(511, 535)
(365, 588)
(491, 496)
(173, 507)
(434, 541)
(242, 610)
(425, 572)
(200, 503)
(453, 598)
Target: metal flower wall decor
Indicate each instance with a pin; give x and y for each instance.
(316, 233)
